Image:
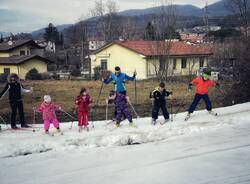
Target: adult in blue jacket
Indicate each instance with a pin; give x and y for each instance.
(119, 79)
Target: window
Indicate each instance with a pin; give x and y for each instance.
(6, 71)
(22, 52)
(201, 62)
(104, 64)
(174, 64)
(28, 52)
(184, 63)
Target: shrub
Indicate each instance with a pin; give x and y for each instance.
(97, 72)
(33, 75)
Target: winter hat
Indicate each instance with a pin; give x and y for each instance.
(82, 90)
(162, 85)
(47, 98)
(117, 68)
(205, 76)
(13, 75)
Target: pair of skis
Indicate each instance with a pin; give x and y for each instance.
(210, 112)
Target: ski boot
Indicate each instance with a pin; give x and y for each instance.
(153, 122)
(14, 127)
(80, 129)
(117, 125)
(46, 131)
(187, 117)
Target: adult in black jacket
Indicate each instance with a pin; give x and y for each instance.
(159, 95)
(15, 89)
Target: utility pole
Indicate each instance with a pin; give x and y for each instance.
(205, 17)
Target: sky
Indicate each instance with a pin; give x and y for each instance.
(28, 15)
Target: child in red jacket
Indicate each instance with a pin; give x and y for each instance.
(82, 105)
(202, 84)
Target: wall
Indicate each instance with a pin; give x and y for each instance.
(117, 55)
(4, 54)
(13, 68)
(33, 63)
(17, 51)
(193, 65)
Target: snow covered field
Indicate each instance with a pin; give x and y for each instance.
(204, 150)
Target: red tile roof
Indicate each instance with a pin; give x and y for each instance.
(173, 48)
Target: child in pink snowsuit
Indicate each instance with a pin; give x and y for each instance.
(48, 110)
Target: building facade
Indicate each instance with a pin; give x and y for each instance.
(149, 58)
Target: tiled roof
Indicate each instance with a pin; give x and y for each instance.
(15, 44)
(13, 60)
(157, 48)
(173, 48)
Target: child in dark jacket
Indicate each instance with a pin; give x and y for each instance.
(159, 95)
(121, 105)
(82, 106)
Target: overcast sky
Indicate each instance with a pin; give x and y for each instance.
(34, 14)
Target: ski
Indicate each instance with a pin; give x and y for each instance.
(20, 129)
(52, 134)
(213, 113)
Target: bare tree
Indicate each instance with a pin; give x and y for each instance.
(165, 24)
(108, 20)
(241, 7)
(128, 29)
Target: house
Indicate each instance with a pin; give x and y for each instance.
(192, 37)
(149, 58)
(20, 56)
(95, 44)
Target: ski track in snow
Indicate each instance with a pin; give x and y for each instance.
(21, 143)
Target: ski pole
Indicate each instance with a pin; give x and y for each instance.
(97, 102)
(137, 116)
(135, 92)
(181, 104)
(107, 111)
(70, 117)
(4, 121)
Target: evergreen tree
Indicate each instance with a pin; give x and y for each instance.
(150, 33)
(1, 39)
(51, 34)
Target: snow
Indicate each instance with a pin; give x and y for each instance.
(205, 149)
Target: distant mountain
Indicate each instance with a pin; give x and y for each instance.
(40, 32)
(216, 9)
(219, 9)
(185, 10)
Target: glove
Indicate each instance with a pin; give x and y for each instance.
(217, 84)
(190, 87)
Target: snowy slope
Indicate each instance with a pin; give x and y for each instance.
(206, 149)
